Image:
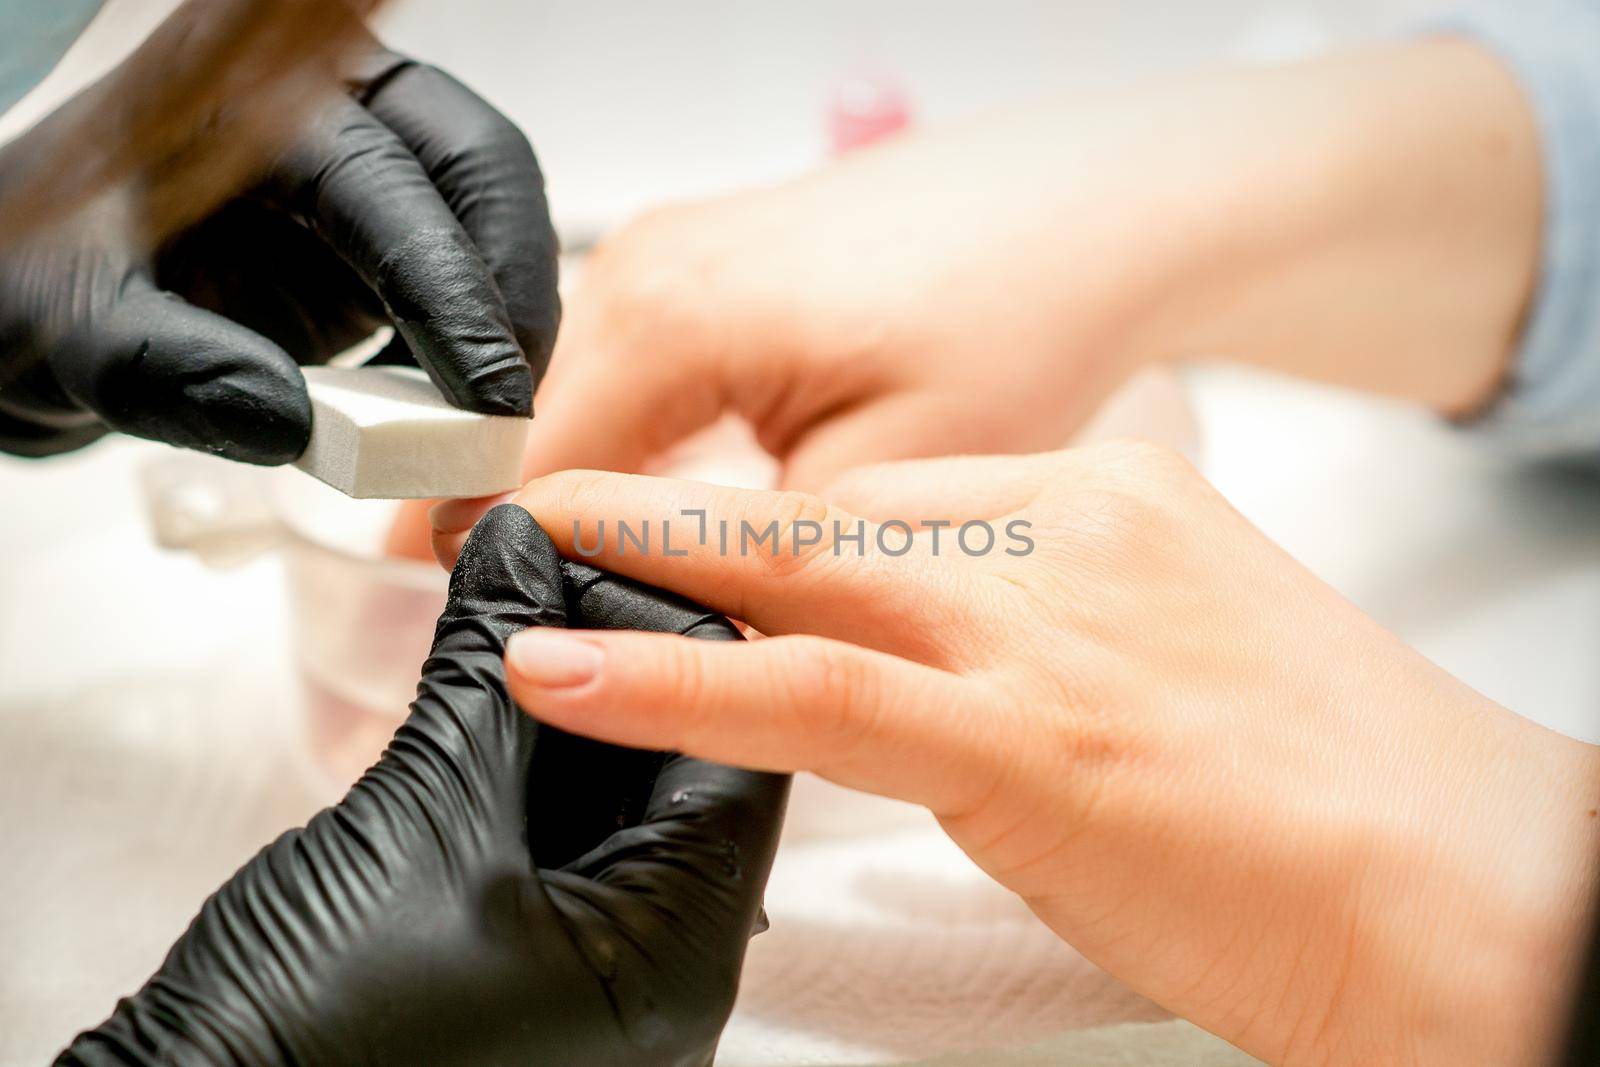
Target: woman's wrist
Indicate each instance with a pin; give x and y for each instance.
(1539, 843)
(1474, 906)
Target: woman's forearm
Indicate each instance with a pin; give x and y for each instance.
(1370, 220)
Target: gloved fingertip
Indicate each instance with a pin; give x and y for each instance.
(497, 519)
(452, 318)
(504, 389)
(501, 524)
(495, 382)
(249, 415)
(159, 368)
(507, 554)
(507, 571)
(273, 440)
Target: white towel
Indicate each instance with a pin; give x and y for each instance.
(889, 946)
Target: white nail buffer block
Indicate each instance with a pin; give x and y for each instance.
(386, 433)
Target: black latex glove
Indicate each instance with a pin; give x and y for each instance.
(413, 924)
(411, 203)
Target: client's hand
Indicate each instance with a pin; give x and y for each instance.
(1196, 762)
(493, 891)
(900, 303)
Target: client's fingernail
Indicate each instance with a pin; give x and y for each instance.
(455, 516)
(447, 548)
(553, 660)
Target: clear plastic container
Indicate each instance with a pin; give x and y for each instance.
(362, 622)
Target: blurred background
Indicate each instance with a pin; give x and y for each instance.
(160, 716)
(630, 103)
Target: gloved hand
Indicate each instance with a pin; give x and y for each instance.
(409, 202)
(491, 891)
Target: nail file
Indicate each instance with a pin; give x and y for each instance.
(387, 433)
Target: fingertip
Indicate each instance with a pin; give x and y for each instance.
(594, 684)
(451, 522)
(447, 548)
(558, 678)
(543, 661)
(462, 514)
(410, 536)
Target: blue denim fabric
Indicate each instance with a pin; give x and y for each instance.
(1550, 406)
(34, 34)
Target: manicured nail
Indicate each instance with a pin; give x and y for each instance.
(447, 548)
(553, 660)
(456, 516)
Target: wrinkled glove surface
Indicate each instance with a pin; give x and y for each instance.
(492, 891)
(410, 203)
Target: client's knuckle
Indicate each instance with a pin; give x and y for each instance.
(684, 674)
(793, 529)
(1129, 505)
(834, 692)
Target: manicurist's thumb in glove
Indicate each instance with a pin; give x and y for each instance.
(492, 891)
(406, 202)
